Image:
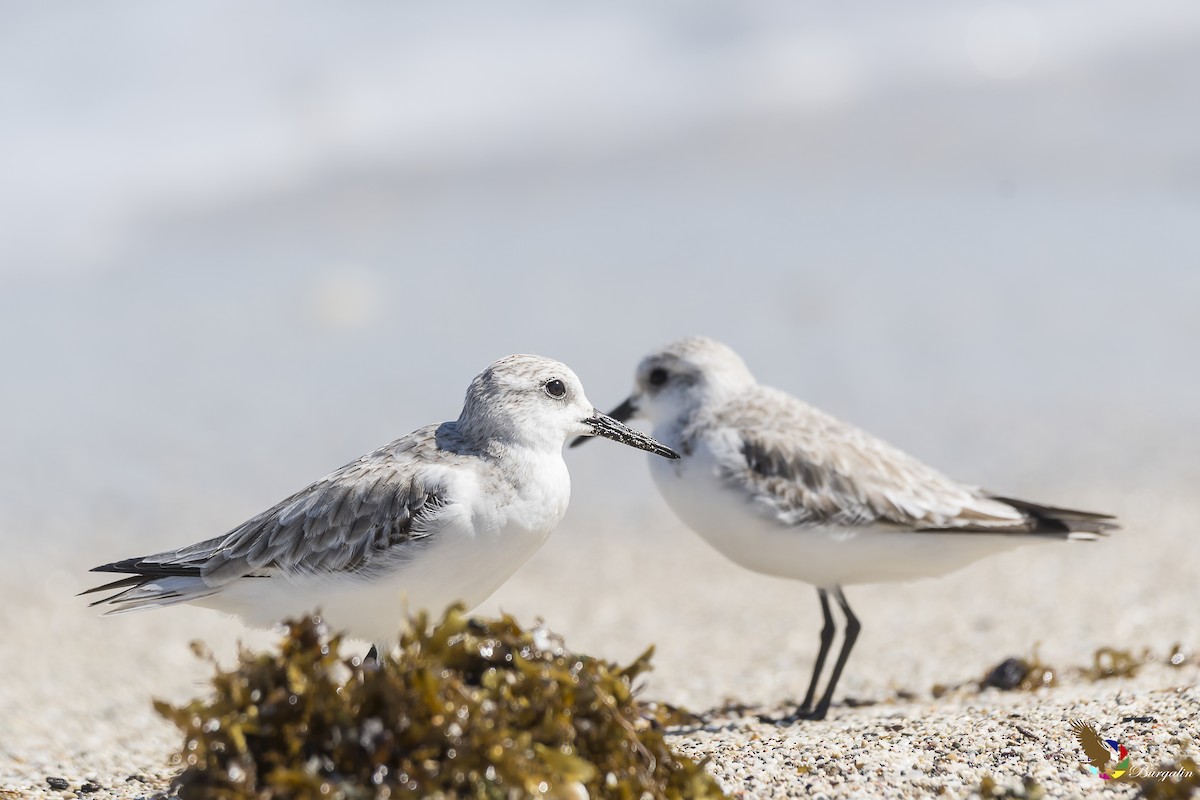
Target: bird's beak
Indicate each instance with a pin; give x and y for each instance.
(621, 413)
(609, 428)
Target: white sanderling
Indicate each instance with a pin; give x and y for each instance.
(784, 489)
(445, 514)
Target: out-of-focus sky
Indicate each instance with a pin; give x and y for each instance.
(242, 243)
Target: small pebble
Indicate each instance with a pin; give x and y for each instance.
(1008, 674)
(57, 784)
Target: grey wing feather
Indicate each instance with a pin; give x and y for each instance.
(808, 468)
(338, 524)
(350, 521)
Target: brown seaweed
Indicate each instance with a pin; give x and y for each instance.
(464, 708)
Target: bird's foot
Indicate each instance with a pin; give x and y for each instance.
(802, 713)
(814, 714)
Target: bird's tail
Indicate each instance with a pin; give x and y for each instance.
(1083, 526)
(151, 586)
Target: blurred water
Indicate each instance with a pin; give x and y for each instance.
(243, 244)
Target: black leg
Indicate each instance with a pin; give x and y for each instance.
(852, 629)
(826, 642)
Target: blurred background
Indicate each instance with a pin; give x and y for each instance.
(241, 244)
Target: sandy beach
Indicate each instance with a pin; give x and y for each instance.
(730, 644)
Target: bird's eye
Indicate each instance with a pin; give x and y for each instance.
(658, 376)
(556, 388)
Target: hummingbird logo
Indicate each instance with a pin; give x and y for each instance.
(1101, 752)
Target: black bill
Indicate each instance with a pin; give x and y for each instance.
(621, 413)
(609, 428)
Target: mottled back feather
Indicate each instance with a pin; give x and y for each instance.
(807, 468)
(356, 519)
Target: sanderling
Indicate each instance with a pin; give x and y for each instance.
(784, 489)
(445, 514)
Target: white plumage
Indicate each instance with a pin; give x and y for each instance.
(443, 515)
(784, 489)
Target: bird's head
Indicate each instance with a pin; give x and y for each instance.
(539, 402)
(673, 381)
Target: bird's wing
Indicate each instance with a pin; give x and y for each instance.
(344, 522)
(1093, 746)
(805, 467)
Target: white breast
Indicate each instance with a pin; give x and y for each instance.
(482, 537)
(473, 556)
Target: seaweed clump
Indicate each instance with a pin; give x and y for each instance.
(465, 708)
(1108, 662)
